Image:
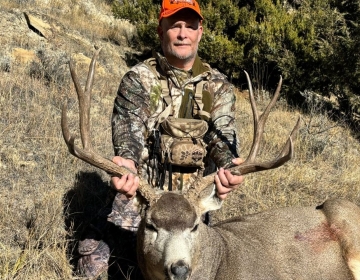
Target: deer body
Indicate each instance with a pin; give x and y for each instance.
(286, 243)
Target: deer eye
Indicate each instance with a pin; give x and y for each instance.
(150, 227)
(195, 228)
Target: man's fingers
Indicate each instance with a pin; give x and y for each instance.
(119, 182)
(226, 182)
(237, 161)
(132, 192)
(129, 183)
(221, 191)
(117, 160)
(233, 179)
(217, 180)
(223, 180)
(128, 163)
(222, 196)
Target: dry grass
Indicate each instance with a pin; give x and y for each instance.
(40, 181)
(47, 196)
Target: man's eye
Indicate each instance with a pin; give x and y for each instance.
(193, 27)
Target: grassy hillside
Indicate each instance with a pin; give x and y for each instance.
(47, 196)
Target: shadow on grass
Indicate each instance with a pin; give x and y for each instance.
(87, 205)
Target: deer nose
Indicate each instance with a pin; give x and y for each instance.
(180, 270)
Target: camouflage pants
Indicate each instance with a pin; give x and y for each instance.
(95, 252)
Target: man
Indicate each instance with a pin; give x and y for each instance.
(174, 85)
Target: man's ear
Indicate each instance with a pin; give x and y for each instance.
(208, 200)
(201, 29)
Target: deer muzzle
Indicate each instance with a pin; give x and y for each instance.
(179, 271)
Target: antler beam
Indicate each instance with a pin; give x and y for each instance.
(86, 153)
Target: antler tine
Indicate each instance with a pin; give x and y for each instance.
(285, 155)
(250, 165)
(259, 123)
(84, 99)
(86, 153)
(252, 103)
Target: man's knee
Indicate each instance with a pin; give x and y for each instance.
(96, 262)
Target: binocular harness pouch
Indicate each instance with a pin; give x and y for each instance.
(182, 143)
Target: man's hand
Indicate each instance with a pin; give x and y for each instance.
(128, 183)
(226, 182)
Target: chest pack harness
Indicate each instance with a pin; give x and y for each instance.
(179, 141)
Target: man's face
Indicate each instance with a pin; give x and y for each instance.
(180, 35)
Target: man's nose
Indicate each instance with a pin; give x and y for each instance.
(182, 33)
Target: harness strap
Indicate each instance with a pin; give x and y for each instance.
(198, 110)
(163, 116)
(163, 81)
(165, 91)
(152, 62)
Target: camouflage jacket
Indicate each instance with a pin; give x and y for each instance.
(139, 102)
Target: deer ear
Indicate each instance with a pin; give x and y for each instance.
(208, 200)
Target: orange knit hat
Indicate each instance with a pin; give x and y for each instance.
(170, 7)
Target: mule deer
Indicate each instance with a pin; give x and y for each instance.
(288, 243)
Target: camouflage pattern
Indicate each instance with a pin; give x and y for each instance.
(126, 213)
(94, 264)
(137, 109)
(139, 103)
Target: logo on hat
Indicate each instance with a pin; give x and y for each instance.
(170, 7)
(182, 1)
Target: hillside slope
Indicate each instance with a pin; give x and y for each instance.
(40, 182)
(47, 196)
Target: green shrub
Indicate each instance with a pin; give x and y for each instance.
(144, 14)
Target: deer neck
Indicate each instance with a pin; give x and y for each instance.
(210, 253)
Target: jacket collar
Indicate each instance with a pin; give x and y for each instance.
(198, 67)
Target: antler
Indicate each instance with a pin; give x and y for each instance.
(86, 153)
(250, 165)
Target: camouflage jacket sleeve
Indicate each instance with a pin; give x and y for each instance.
(222, 139)
(131, 110)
